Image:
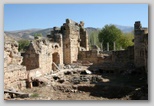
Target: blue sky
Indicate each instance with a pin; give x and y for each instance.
(26, 16)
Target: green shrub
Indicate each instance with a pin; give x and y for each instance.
(34, 95)
(23, 44)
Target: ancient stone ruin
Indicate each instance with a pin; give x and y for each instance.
(65, 49)
(140, 45)
(14, 73)
(118, 61)
(61, 47)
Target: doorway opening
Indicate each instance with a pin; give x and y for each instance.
(56, 61)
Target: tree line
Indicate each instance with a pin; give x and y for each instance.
(110, 34)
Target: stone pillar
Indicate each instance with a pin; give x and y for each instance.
(107, 46)
(102, 45)
(120, 48)
(61, 51)
(114, 46)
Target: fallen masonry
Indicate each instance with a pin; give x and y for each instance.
(14, 94)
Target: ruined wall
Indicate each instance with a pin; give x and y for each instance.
(14, 72)
(15, 77)
(140, 46)
(125, 60)
(91, 56)
(71, 38)
(95, 55)
(123, 56)
(74, 38)
(146, 52)
(40, 55)
(45, 58)
(83, 36)
(114, 61)
(31, 58)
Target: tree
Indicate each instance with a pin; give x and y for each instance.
(37, 35)
(23, 44)
(126, 40)
(110, 34)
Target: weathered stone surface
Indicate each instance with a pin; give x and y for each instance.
(140, 45)
(15, 94)
(61, 47)
(68, 45)
(43, 54)
(14, 73)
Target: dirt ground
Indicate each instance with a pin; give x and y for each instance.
(91, 87)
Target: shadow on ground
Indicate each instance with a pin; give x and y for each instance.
(134, 86)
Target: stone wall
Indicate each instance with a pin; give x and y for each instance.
(133, 57)
(15, 77)
(114, 61)
(83, 36)
(140, 45)
(41, 54)
(71, 39)
(14, 72)
(93, 56)
(74, 37)
(124, 56)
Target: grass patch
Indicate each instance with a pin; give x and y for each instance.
(34, 95)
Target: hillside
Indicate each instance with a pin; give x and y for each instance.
(125, 29)
(21, 34)
(29, 33)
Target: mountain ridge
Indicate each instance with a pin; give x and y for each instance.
(29, 33)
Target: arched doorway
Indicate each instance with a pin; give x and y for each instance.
(55, 61)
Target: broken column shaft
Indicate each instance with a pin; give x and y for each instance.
(107, 46)
(114, 46)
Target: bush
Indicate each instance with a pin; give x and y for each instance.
(37, 35)
(23, 44)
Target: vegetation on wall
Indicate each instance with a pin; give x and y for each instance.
(23, 44)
